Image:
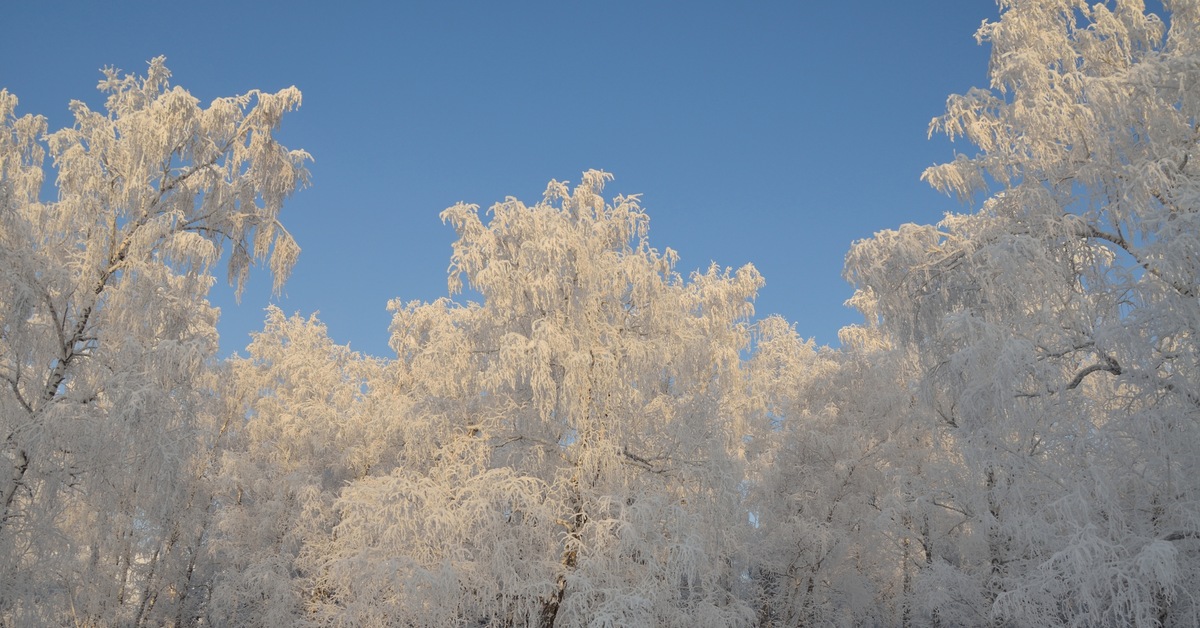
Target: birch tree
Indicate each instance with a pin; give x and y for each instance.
(575, 437)
(1055, 327)
(309, 429)
(846, 485)
(810, 484)
(105, 333)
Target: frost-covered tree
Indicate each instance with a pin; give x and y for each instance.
(1054, 330)
(309, 429)
(105, 336)
(572, 443)
(846, 487)
(811, 482)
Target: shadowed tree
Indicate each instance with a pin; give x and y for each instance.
(1054, 330)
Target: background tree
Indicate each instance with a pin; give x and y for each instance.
(846, 484)
(105, 334)
(309, 429)
(806, 492)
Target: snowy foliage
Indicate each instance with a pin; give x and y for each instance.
(573, 453)
(308, 431)
(106, 335)
(1012, 437)
(1053, 332)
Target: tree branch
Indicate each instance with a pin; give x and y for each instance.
(1108, 365)
(1090, 231)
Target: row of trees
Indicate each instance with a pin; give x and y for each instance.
(1010, 439)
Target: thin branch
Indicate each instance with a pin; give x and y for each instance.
(12, 383)
(1119, 240)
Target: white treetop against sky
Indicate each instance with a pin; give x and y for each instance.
(774, 134)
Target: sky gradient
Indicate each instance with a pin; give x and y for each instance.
(771, 133)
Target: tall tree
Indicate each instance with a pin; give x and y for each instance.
(105, 333)
(1055, 328)
(575, 438)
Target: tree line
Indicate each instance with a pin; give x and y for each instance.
(1011, 438)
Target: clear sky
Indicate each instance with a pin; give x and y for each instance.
(772, 133)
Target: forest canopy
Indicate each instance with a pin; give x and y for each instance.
(605, 439)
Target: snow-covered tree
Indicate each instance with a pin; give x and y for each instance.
(811, 482)
(845, 485)
(1054, 330)
(105, 337)
(308, 430)
(573, 442)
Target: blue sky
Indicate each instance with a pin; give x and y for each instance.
(772, 133)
